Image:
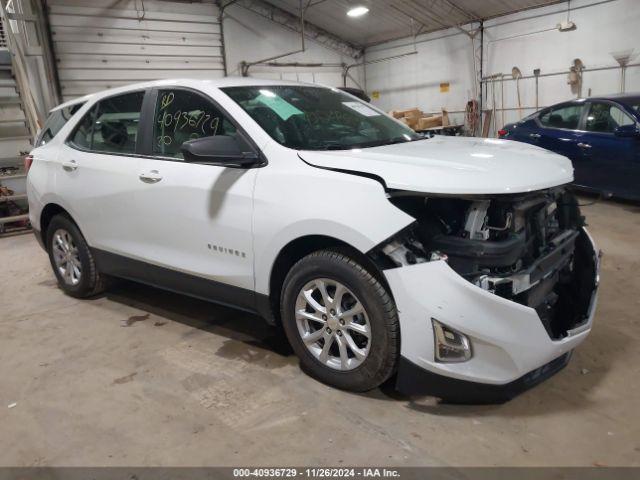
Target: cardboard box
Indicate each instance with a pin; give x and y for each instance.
(413, 114)
(412, 122)
(430, 122)
(418, 120)
(445, 118)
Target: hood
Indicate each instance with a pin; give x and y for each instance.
(453, 165)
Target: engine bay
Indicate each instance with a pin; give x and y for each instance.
(528, 248)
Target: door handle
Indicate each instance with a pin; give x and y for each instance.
(535, 136)
(70, 165)
(584, 145)
(152, 176)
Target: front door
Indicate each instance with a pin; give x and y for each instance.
(615, 160)
(192, 218)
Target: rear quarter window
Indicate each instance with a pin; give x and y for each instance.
(54, 123)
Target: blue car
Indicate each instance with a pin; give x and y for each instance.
(601, 136)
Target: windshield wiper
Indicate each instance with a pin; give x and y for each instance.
(374, 143)
(391, 141)
(335, 146)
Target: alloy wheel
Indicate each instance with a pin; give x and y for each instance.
(333, 324)
(66, 258)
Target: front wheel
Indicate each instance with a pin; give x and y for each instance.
(341, 321)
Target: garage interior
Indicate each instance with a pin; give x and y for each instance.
(139, 376)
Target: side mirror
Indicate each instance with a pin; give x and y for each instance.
(627, 131)
(221, 150)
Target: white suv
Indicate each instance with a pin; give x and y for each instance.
(459, 265)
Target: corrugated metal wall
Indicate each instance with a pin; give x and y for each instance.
(100, 44)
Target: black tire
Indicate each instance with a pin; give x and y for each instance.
(90, 282)
(384, 350)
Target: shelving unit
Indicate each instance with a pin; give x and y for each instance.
(15, 139)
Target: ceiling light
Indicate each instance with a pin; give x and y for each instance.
(357, 11)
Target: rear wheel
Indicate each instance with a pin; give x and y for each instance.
(340, 321)
(71, 259)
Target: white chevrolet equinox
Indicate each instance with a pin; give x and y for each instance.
(459, 266)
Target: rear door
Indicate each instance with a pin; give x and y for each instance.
(614, 161)
(523, 130)
(97, 168)
(559, 130)
(193, 218)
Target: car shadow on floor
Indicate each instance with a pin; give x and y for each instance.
(568, 390)
(244, 329)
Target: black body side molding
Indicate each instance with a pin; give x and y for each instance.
(179, 282)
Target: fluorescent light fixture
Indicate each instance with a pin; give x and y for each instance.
(357, 11)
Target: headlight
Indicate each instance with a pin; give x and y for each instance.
(450, 345)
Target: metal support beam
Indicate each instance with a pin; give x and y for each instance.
(222, 6)
(292, 22)
(245, 66)
(473, 17)
(47, 52)
(438, 21)
(346, 68)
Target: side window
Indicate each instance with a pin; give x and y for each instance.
(81, 136)
(56, 120)
(182, 115)
(116, 127)
(111, 126)
(605, 118)
(562, 117)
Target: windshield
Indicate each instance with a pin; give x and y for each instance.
(317, 118)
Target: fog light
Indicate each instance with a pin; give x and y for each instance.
(450, 345)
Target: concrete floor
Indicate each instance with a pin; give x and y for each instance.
(144, 377)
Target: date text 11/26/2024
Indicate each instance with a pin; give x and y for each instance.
(346, 473)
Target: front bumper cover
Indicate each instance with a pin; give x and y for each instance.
(512, 351)
(414, 380)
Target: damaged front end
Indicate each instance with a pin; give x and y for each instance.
(493, 291)
(528, 248)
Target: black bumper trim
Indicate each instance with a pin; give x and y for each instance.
(414, 380)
